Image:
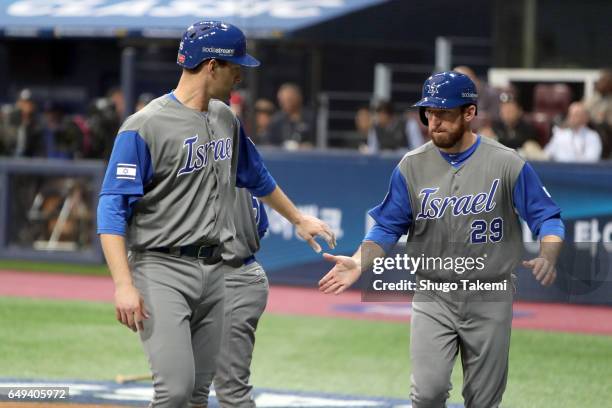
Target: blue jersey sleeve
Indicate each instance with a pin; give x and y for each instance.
(129, 171)
(553, 226)
(129, 167)
(113, 212)
(393, 216)
(534, 204)
(252, 174)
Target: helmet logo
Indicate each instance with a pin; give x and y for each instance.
(432, 89)
(221, 51)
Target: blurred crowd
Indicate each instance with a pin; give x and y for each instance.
(34, 128)
(557, 127)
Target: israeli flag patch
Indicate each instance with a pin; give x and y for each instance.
(126, 171)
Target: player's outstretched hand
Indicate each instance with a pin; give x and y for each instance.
(129, 307)
(341, 276)
(310, 227)
(543, 270)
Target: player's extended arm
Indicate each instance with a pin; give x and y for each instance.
(307, 227)
(535, 205)
(543, 267)
(252, 174)
(393, 217)
(348, 269)
(129, 305)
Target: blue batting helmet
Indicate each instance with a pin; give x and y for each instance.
(447, 90)
(213, 39)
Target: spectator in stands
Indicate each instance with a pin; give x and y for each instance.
(600, 109)
(236, 104)
(115, 95)
(389, 131)
(363, 127)
(264, 109)
(294, 126)
(60, 134)
(488, 98)
(143, 100)
(576, 142)
(600, 105)
(104, 121)
(416, 132)
(20, 128)
(511, 129)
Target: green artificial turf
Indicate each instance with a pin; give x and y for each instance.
(65, 339)
(54, 267)
(80, 340)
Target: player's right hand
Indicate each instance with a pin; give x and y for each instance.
(341, 276)
(309, 227)
(129, 306)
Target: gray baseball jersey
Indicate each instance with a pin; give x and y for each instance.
(245, 242)
(182, 162)
(466, 211)
(462, 206)
(171, 182)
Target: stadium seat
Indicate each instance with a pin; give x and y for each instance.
(543, 125)
(552, 100)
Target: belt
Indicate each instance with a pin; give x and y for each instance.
(249, 260)
(192, 251)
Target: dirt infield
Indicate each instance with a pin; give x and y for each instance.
(527, 315)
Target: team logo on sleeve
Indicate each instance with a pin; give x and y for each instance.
(126, 171)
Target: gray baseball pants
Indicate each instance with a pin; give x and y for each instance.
(479, 330)
(182, 336)
(246, 295)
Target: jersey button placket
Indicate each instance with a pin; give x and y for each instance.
(454, 189)
(213, 164)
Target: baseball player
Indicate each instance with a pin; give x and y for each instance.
(167, 194)
(246, 295)
(461, 192)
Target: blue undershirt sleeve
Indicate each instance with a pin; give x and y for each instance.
(129, 171)
(393, 216)
(553, 226)
(535, 205)
(252, 173)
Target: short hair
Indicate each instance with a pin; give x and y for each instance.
(290, 86)
(199, 67)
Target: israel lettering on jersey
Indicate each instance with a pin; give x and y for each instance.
(197, 157)
(434, 208)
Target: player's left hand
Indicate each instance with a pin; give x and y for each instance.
(309, 227)
(543, 270)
